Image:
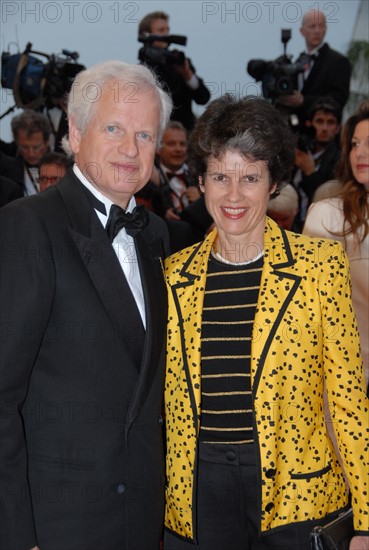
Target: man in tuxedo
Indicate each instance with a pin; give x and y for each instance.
(180, 78)
(180, 202)
(327, 72)
(178, 187)
(83, 317)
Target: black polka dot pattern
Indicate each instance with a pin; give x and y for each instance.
(304, 336)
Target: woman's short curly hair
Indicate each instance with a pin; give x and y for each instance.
(251, 127)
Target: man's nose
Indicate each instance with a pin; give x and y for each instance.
(128, 145)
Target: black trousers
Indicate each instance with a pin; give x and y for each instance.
(227, 506)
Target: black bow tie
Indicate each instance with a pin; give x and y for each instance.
(180, 176)
(133, 223)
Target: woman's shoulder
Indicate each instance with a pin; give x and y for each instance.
(324, 218)
(178, 259)
(331, 204)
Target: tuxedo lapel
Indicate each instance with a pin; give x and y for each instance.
(101, 262)
(150, 253)
(313, 80)
(111, 285)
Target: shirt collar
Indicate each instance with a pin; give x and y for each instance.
(315, 51)
(180, 170)
(107, 202)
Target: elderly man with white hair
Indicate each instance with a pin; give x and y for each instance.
(82, 365)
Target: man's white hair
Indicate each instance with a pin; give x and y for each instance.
(88, 84)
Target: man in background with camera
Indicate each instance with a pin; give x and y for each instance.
(317, 151)
(327, 72)
(174, 69)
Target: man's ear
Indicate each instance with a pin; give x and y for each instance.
(74, 136)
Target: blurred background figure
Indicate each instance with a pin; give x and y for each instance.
(31, 133)
(177, 185)
(173, 193)
(346, 218)
(327, 72)
(284, 208)
(9, 190)
(172, 67)
(317, 151)
(52, 167)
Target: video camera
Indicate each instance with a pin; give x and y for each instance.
(278, 77)
(34, 83)
(161, 56)
(305, 134)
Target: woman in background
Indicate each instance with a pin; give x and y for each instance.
(346, 217)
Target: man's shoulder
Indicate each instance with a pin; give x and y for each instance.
(155, 221)
(157, 229)
(334, 55)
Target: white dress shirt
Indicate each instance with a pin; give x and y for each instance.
(123, 245)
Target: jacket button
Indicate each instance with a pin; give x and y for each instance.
(270, 473)
(161, 420)
(269, 507)
(121, 488)
(231, 456)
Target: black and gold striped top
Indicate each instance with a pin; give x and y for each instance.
(228, 315)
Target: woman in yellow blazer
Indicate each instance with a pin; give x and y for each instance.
(260, 319)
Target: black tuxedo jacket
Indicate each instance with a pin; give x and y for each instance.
(329, 76)
(81, 454)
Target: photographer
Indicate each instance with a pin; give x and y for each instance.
(316, 157)
(179, 77)
(327, 72)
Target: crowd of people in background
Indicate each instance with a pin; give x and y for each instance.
(35, 160)
(312, 180)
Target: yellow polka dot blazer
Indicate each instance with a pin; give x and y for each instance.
(304, 335)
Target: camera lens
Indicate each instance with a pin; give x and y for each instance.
(284, 85)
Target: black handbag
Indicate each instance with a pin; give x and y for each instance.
(336, 535)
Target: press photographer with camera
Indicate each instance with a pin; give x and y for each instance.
(326, 72)
(172, 67)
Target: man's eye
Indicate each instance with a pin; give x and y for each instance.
(111, 129)
(144, 136)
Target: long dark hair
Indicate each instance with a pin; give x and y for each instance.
(354, 194)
